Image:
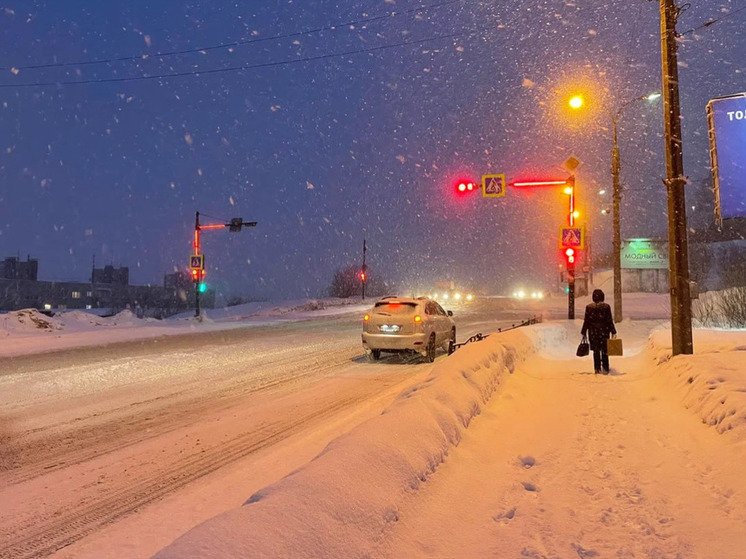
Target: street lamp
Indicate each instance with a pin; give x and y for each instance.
(616, 198)
(576, 102)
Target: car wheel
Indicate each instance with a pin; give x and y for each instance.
(430, 355)
(374, 355)
(452, 342)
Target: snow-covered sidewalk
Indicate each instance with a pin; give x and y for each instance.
(512, 447)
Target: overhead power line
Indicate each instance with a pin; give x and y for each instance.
(713, 21)
(231, 44)
(245, 66)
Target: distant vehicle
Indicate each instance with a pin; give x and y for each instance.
(401, 324)
(454, 296)
(529, 294)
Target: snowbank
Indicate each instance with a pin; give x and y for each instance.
(340, 503)
(712, 382)
(33, 332)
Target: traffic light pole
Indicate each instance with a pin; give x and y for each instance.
(681, 310)
(571, 260)
(571, 290)
(198, 274)
(364, 270)
(196, 252)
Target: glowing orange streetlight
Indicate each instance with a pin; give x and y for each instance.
(576, 101)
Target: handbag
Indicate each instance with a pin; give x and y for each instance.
(583, 348)
(614, 346)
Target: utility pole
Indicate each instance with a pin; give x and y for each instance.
(617, 242)
(681, 310)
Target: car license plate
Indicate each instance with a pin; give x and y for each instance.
(389, 329)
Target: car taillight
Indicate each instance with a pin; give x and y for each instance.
(366, 318)
(417, 319)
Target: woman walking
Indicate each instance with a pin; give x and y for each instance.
(599, 325)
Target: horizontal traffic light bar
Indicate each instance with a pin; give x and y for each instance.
(542, 183)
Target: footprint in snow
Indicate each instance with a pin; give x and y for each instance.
(505, 517)
(527, 461)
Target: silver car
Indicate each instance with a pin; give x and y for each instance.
(399, 324)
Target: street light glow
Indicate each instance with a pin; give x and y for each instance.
(568, 190)
(576, 102)
(653, 96)
(602, 192)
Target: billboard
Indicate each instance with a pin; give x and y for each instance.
(644, 254)
(726, 117)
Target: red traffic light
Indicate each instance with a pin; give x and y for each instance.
(570, 253)
(363, 276)
(463, 186)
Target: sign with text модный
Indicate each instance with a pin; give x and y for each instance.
(726, 117)
(646, 254)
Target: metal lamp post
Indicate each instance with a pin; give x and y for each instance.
(616, 197)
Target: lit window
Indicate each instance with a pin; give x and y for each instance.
(76, 294)
(89, 293)
(47, 307)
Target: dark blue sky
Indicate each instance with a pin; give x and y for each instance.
(327, 152)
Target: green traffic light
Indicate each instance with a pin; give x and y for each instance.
(202, 287)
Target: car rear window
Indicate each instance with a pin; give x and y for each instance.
(395, 308)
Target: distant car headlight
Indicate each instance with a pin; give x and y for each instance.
(457, 296)
(445, 295)
(469, 297)
(521, 294)
(540, 295)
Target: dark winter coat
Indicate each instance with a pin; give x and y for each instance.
(598, 324)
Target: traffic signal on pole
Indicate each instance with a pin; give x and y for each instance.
(363, 276)
(570, 254)
(202, 287)
(195, 275)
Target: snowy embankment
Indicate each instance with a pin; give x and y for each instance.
(339, 504)
(30, 331)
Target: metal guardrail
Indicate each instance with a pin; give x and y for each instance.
(479, 336)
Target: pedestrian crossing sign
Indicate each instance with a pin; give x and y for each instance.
(197, 261)
(493, 186)
(572, 237)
